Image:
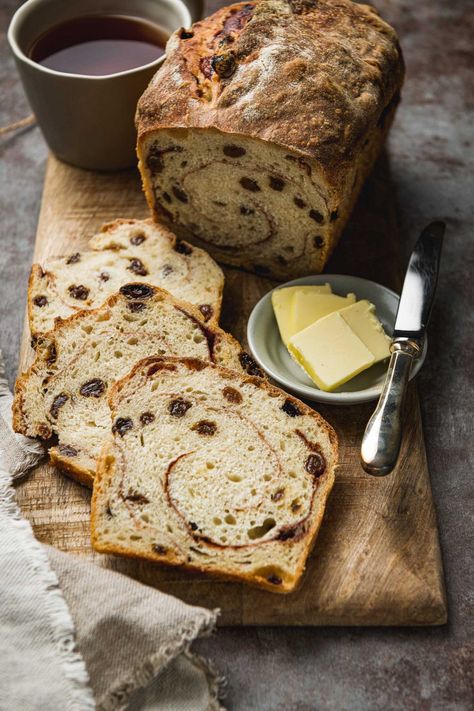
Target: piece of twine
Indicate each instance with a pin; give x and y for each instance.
(22, 123)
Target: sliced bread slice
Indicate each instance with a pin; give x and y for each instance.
(64, 393)
(212, 470)
(124, 250)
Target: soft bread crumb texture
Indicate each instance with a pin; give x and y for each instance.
(64, 393)
(257, 133)
(123, 251)
(212, 470)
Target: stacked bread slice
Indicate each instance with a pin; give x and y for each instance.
(212, 470)
(64, 393)
(123, 251)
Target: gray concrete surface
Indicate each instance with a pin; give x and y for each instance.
(431, 153)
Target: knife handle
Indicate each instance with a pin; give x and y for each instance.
(383, 434)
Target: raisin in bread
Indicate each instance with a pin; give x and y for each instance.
(121, 251)
(64, 393)
(256, 135)
(214, 471)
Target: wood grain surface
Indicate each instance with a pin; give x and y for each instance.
(377, 559)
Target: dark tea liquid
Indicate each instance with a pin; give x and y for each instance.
(99, 45)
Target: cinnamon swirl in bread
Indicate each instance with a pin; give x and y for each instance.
(212, 470)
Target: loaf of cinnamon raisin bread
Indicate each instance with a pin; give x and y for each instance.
(64, 393)
(121, 251)
(212, 470)
(256, 135)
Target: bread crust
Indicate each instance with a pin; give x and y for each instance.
(334, 63)
(107, 467)
(74, 471)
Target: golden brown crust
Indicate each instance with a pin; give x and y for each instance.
(17, 405)
(75, 471)
(36, 273)
(106, 470)
(110, 226)
(335, 63)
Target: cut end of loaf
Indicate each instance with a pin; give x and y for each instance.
(212, 471)
(237, 198)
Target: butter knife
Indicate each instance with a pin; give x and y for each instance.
(383, 434)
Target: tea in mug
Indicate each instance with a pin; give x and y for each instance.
(98, 45)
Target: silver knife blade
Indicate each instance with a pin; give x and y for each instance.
(420, 282)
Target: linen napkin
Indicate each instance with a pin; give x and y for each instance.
(75, 636)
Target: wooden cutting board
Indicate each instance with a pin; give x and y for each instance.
(377, 559)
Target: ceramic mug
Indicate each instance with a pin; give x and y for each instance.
(87, 121)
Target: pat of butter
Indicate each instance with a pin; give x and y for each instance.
(309, 306)
(330, 352)
(282, 302)
(361, 317)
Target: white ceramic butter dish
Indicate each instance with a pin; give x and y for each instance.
(271, 354)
